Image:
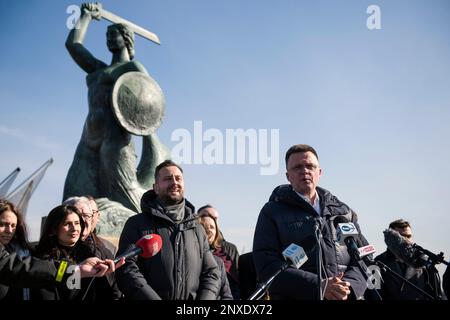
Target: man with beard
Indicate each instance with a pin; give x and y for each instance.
(185, 268)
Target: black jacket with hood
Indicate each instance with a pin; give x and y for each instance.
(184, 269)
(286, 219)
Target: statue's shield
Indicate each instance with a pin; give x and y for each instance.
(138, 103)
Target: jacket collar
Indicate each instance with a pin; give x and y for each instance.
(285, 193)
(150, 205)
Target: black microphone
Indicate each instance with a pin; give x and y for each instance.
(433, 258)
(404, 250)
(346, 231)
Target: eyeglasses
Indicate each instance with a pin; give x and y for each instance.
(87, 216)
(301, 167)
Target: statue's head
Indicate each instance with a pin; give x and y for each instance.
(119, 35)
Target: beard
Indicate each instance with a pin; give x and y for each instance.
(170, 200)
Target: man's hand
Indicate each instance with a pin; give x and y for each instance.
(94, 267)
(337, 289)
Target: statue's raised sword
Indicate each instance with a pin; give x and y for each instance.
(136, 29)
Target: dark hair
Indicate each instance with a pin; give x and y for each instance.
(48, 243)
(206, 206)
(217, 242)
(399, 224)
(166, 163)
(128, 36)
(21, 233)
(299, 148)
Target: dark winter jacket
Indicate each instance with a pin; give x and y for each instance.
(247, 275)
(232, 254)
(15, 294)
(393, 288)
(286, 219)
(446, 282)
(225, 291)
(104, 288)
(184, 269)
(29, 272)
(60, 291)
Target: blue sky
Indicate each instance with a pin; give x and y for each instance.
(374, 103)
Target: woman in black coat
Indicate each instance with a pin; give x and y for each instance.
(61, 240)
(13, 236)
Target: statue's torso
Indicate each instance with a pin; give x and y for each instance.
(100, 121)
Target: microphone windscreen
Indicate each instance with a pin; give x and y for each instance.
(402, 249)
(340, 219)
(150, 244)
(393, 238)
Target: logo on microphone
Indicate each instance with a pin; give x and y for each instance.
(345, 230)
(348, 228)
(366, 250)
(295, 254)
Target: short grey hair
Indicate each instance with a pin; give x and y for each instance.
(73, 201)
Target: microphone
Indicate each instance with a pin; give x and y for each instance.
(294, 256)
(404, 250)
(434, 258)
(366, 250)
(346, 231)
(147, 246)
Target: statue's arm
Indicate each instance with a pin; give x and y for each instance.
(74, 42)
(140, 67)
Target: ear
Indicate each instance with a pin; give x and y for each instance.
(287, 176)
(154, 188)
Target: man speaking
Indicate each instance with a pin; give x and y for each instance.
(303, 213)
